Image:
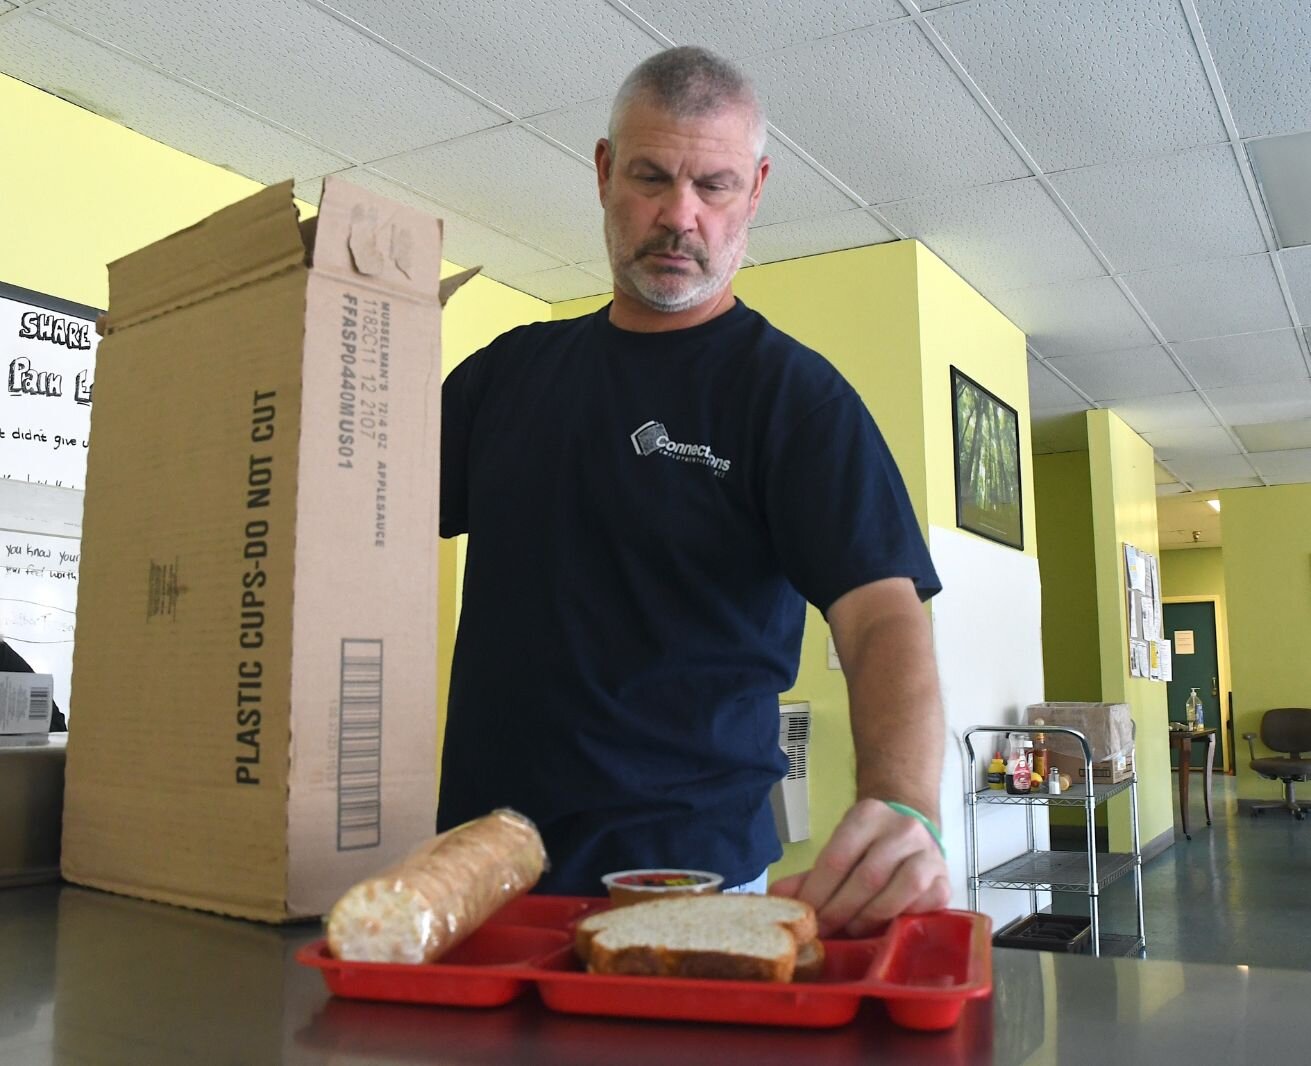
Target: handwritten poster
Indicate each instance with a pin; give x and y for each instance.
(47, 358)
(38, 602)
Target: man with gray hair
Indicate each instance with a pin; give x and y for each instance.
(652, 493)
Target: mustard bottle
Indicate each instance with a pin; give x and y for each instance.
(997, 772)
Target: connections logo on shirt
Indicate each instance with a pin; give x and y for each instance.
(651, 438)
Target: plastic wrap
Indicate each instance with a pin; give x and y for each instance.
(441, 892)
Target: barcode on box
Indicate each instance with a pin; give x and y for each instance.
(359, 746)
(38, 704)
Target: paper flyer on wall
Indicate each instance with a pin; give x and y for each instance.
(1165, 660)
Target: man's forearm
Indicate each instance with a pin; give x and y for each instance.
(886, 648)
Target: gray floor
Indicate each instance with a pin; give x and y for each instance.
(1238, 893)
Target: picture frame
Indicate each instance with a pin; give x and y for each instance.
(986, 453)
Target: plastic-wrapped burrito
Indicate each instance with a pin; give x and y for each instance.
(439, 893)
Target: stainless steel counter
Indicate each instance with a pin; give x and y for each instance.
(87, 977)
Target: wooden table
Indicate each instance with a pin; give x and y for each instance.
(1182, 741)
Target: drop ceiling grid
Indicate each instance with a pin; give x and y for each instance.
(741, 28)
(43, 53)
(481, 46)
(286, 58)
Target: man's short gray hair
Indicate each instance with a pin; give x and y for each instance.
(689, 82)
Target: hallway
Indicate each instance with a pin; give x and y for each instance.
(1238, 893)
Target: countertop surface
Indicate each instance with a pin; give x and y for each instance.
(88, 977)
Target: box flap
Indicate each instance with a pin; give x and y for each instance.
(363, 236)
(252, 239)
(455, 281)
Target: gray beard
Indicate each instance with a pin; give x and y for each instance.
(692, 291)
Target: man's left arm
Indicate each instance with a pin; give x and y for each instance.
(880, 862)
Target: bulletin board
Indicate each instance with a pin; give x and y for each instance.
(47, 358)
(48, 355)
(1149, 652)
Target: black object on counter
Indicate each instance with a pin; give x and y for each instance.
(1071, 933)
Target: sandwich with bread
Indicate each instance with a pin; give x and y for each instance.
(735, 936)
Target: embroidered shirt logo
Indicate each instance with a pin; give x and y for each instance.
(651, 438)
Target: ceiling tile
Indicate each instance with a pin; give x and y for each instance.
(1075, 317)
(794, 190)
(1275, 436)
(1046, 390)
(515, 180)
(287, 60)
(1171, 489)
(747, 27)
(1087, 81)
(1059, 430)
(466, 242)
(1158, 414)
(528, 56)
(1004, 236)
(883, 111)
(1190, 443)
(1212, 471)
(1212, 299)
(812, 236)
(1262, 51)
(1297, 269)
(1276, 402)
(1284, 468)
(1118, 375)
(1245, 359)
(38, 52)
(1172, 209)
(578, 127)
(557, 284)
(6, 7)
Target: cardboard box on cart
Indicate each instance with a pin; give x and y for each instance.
(254, 682)
(1108, 728)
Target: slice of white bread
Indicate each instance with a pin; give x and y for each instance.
(736, 936)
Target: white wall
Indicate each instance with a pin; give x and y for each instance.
(987, 631)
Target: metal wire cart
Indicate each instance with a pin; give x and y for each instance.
(1058, 871)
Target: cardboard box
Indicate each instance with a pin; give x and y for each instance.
(1105, 771)
(255, 668)
(1108, 727)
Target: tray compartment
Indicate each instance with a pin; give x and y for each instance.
(492, 967)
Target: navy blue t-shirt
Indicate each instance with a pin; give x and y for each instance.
(647, 515)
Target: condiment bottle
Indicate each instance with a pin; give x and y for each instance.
(997, 772)
(1041, 758)
(1054, 782)
(1019, 770)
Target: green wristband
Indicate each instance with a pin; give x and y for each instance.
(911, 812)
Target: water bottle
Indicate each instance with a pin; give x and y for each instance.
(1193, 710)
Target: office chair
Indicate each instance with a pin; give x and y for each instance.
(1286, 729)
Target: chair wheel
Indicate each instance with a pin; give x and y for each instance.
(1257, 813)
(1300, 816)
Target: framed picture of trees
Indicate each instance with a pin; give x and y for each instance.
(987, 438)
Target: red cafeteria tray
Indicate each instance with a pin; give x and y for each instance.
(924, 968)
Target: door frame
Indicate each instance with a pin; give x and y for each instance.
(1228, 758)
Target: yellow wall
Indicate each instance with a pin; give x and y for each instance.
(91, 191)
(1124, 511)
(1267, 565)
(1198, 574)
(1071, 652)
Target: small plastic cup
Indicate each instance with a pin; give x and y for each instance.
(637, 886)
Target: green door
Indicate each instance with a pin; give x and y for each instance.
(1199, 669)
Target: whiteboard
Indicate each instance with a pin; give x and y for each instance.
(38, 603)
(47, 359)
